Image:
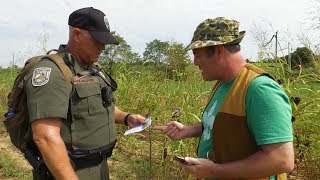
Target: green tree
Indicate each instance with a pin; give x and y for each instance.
(177, 60)
(156, 51)
(302, 55)
(120, 52)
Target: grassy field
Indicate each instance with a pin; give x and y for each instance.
(148, 155)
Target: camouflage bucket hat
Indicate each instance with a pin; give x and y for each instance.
(212, 32)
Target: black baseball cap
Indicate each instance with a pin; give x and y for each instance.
(94, 21)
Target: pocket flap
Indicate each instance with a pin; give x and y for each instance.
(85, 90)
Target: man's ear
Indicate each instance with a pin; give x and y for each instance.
(76, 34)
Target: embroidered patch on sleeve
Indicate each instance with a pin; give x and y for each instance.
(41, 76)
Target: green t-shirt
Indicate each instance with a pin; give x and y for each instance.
(268, 112)
(208, 118)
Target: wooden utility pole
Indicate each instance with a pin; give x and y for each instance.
(289, 56)
(276, 55)
(276, 51)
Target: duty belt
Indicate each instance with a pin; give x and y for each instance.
(88, 158)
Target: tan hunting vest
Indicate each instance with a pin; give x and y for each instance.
(231, 137)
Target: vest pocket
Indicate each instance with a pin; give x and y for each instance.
(92, 124)
(86, 90)
(90, 99)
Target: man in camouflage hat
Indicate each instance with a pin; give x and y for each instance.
(246, 129)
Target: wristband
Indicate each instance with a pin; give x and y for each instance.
(126, 119)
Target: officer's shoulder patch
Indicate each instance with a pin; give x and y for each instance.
(41, 76)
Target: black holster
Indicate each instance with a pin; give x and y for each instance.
(88, 158)
(40, 170)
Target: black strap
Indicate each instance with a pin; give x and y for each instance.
(82, 158)
(34, 160)
(109, 80)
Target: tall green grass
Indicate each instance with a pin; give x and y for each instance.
(9, 167)
(7, 77)
(302, 84)
(146, 90)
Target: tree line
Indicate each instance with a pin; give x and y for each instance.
(169, 56)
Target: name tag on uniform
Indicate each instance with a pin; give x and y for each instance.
(84, 80)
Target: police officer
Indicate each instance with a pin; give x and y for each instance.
(74, 126)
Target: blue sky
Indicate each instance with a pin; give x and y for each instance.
(23, 23)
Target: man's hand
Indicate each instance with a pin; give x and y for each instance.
(174, 130)
(269, 160)
(135, 120)
(200, 168)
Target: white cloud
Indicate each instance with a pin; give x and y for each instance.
(141, 21)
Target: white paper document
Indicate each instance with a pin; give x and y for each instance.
(139, 128)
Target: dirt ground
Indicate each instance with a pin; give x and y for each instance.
(7, 148)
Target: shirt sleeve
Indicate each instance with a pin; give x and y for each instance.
(47, 94)
(268, 112)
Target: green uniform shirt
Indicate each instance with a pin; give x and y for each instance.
(268, 114)
(87, 122)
